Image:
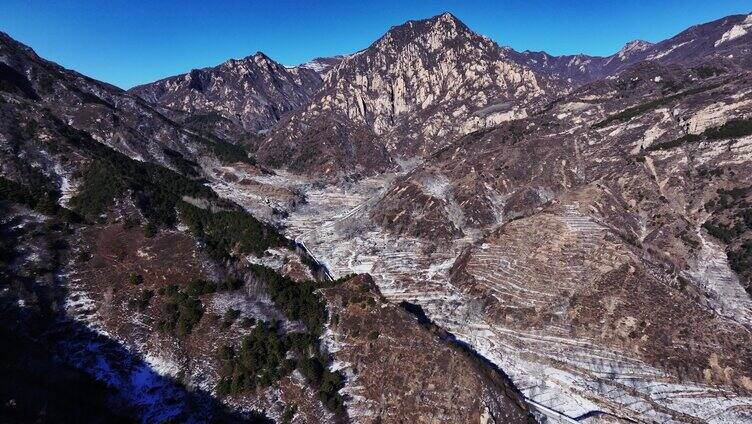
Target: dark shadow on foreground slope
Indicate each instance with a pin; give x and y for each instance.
(57, 370)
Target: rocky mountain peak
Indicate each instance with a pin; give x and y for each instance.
(441, 44)
(418, 86)
(447, 17)
(255, 63)
(262, 59)
(633, 47)
(240, 95)
(432, 33)
(446, 21)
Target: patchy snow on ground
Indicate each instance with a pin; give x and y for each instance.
(564, 379)
(668, 51)
(68, 188)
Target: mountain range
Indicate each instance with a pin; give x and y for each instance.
(436, 228)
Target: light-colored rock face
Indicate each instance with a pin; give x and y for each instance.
(738, 30)
(254, 92)
(437, 69)
(633, 47)
(321, 65)
(420, 84)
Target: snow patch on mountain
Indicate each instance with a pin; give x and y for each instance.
(664, 53)
(315, 65)
(736, 31)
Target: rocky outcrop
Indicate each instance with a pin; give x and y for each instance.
(322, 65)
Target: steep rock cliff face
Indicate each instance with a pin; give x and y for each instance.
(421, 83)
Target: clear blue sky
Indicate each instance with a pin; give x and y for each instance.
(131, 42)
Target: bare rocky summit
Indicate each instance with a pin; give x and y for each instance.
(253, 93)
(422, 82)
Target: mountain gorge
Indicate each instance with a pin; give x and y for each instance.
(436, 228)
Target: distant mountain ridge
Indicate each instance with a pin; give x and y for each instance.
(720, 37)
(420, 84)
(253, 92)
(112, 116)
